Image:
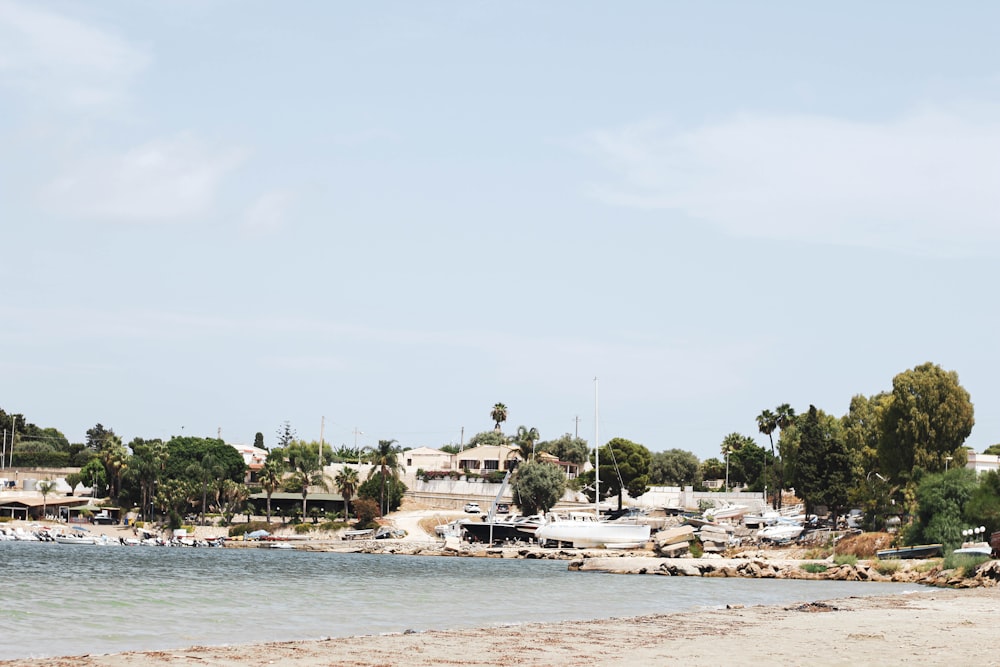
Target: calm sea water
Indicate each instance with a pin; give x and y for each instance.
(71, 599)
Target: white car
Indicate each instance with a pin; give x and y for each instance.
(472, 508)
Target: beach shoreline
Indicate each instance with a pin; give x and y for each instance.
(930, 626)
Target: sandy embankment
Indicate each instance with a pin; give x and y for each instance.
(929, 627)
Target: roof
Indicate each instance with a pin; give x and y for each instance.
(297, 497)
(38, 501)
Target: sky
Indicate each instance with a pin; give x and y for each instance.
(377, 220)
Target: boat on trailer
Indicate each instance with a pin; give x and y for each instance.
(917, 551)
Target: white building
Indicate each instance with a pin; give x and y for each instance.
(982, 462)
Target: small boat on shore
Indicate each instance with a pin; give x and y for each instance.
(73, 539)
(917, 551)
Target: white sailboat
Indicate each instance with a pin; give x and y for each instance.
(592, 532)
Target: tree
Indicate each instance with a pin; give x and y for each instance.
(45, 487)
(940, 499)
(487, 439)
(713, 468)
(733, 442)
(767, 422)
(538, 486)
(498, 415)
(823, 469)
(74, 479)
(386, 464)
(97, 437)
(748, 465)
(566, 448)
(270, 480)
(347, 484)
(388, 491)
(94, 476)
(204, 473)
(624, 467)
(983, 508)
(525, 440)
(993, 450)
(231, 497)
(305, 473)
(928, 419)
(674, 467)
(146, 467)
(258, 440)
(286, 434)
(183, 451)
(115, 458)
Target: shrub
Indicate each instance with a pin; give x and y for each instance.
(333, 525)
(696, 549)
(886, 567)
(814, 568)
(249, 527)
(964, 564)
(303, 528)
(845, 559)
(366, 510)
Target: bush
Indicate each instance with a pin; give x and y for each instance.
(366, 510)
(303, 528)
(332, 526)
(886, 567)
(845, 559)
(696, 549)
(814, 568)
(964, 564)
(249, 527)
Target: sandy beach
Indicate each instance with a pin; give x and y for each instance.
(927, 627)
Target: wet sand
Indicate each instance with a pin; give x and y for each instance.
(927, 627)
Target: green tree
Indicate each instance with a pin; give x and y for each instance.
(928, 419)
(713, 468)
(624, 467)
(731, 444)
(231, 497)
(146, 468)
(204, 473)
(487, 439)
(45, 487)
(498, 415)
(993, 450)
(566, 448)
(115, 458)
(538, 486)
(98, 436)
(183, 451)
(74, 479)
(525, 440)
(305, 472)
(747, 465)
(674, 467)
(983, 508)
(823, 468)
(258, 440)
(386, 464)
(940, 500)
(94, 476)
(387, 491)
(270, 479)
(286, 434)
(347, 482)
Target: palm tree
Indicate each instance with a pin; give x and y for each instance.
(499, 415)
(347, 483)
(270, 480)
(783, 418)
(525, 441)
(305, 473)
(767, 421)
(731, 443)
(45, 487)
(386, 463)
(204, 473)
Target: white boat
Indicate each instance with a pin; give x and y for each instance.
(73, 539)
(726, 511)
(592, 533)
(781, 532)
(975, 549)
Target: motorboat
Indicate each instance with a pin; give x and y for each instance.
(918, 551)
(783, 531)
(75, 539)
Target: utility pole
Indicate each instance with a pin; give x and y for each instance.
(3, 456)
(461, 440)
(13, 438)
(322, 423)
(576, 428)
(356, 433)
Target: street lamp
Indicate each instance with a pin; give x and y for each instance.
(947, 460)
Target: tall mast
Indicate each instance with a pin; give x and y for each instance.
(597, 457)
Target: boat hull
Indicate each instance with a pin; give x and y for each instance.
(593, 534)
(919, 551)
(479, 531)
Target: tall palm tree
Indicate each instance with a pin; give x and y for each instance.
(347, 484)
(305, 473)
(270, 480)
(45, 487)
(731, 443)
(783, 418)
(499, 415)
(767, 421)
(205, 472)
(386, 462)
(525, 441)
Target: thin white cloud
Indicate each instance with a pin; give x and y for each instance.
(923, 183)
(53, 57)
(160, 181)
(268, 213)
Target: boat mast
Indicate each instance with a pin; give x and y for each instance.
(597, 458)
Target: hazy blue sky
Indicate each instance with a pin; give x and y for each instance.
(225, 215)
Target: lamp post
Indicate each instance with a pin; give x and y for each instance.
(947, 460)
(878, 500)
